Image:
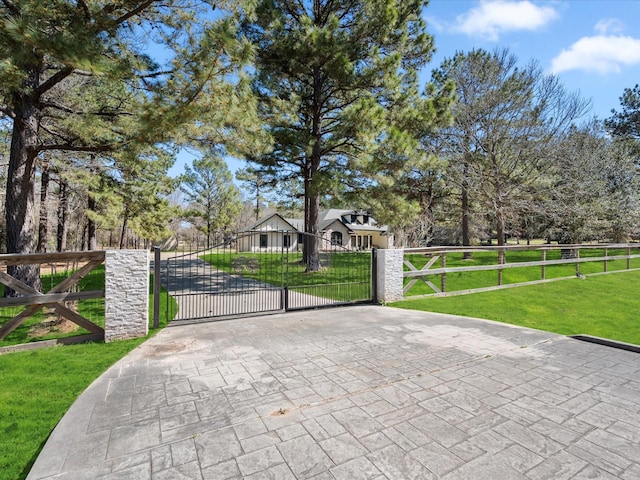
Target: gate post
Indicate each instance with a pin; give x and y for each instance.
(389, 275)
(126, 292)
(374, 275)
(156, 286)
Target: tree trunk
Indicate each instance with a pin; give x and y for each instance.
(466, 237)
(430, 227)
(257, 200)
(500, 226)
(500, 231)
(84, 242)
(313, 265)
(305, 240)
(91, 225)
(311, 244)
(19, 200)
(124, 228)
(312, 198)
(63, 214)
(43, 223)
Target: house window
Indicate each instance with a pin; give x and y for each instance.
(286, 241)
(264, 242)
(336, 238)
(300, 238)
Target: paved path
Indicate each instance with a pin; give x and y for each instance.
(354, 393)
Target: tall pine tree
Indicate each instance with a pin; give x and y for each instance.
(213, 200)
(76, 76)
(331, 77)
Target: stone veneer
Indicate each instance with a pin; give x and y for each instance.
(126, 294)
(389, 275)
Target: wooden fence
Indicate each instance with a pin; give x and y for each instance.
(82, 263)
(433, 264)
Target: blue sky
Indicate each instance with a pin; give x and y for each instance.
(592, 45)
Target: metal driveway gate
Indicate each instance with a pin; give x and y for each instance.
(263, 271)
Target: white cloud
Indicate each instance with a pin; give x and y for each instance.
(493, 17)
(609, 25)
(601, 54)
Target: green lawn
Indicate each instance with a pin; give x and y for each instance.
(344, 276)
(458, 281)
(37, 387)
(603, 305)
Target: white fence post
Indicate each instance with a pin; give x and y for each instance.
(126, 294)
(389, 273)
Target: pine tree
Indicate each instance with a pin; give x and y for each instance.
(76, 77)
(213, 200)
(626, 122)
(330, 77)
(258, 182)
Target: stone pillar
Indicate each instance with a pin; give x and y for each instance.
(126, 294)
(389, 275)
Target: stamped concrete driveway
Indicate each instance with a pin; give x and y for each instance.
(355, 393)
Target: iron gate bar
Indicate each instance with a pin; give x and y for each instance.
(243, 277)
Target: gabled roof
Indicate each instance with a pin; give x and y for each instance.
(333, 214)
(264, 220)
(325, 224)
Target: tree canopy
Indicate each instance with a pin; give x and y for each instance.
(626, 122)
(331, 77)
(213, 200)
(79, 77)
(507, 123)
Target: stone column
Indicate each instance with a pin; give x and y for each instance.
(389, 275)
(126, 294)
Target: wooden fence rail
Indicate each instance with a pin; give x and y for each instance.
(570, 254)
(56, 296)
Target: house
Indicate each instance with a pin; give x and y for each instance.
(353, 229)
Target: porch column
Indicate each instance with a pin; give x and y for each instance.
(389, 275)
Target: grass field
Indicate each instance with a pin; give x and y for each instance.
(458, 281)
(37, 387)
(350, 269)
(604, 306)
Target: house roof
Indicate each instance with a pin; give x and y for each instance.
(326, 218)
(372, 226)
(263, 220)
(333, 214)
(325, 224)
(296, 223)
